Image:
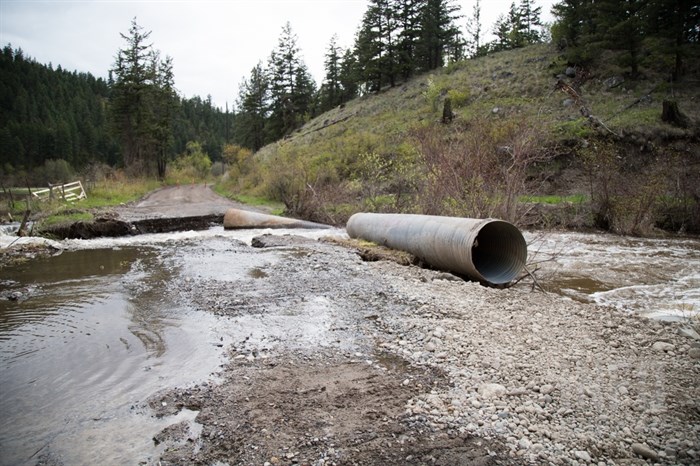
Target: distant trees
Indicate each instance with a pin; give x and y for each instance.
(292, 89)
(638, 29)
(400, 37)
(49, 114)
(143, 103)
(520, 27)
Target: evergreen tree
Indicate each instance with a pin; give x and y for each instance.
(676, 25)
(163, 105)
(252, 109)
(128, 103)
(48, 113)
(408, 14)
(349, 80)
(620, 26)
(375, 46)
(519, 28)
(290, 84)
(474, 30)
(573, 23)
(331, 90)
(440, 39)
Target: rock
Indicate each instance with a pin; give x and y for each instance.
(583, 456)
(613, 81)
(524, 443)
(570, 72)
(568, 102)
(694, 353)
(663, 347)
(491, 390)
(495, 110)
(689, 332)
(546, 389)
(644, 451)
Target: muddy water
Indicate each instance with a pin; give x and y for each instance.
(659, 278)
(90, 338)
(90, 334)
(95, 330)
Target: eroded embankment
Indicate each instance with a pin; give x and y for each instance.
(112, 227)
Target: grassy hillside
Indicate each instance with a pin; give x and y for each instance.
(521, 137)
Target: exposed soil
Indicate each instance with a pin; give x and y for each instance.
(177, 201)
(335, 360)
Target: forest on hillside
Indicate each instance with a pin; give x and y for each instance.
(54, 122)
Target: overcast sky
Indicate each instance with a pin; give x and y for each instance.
(214, 43)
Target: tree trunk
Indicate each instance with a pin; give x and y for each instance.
(672, 114)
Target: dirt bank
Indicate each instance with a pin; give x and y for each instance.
(172, 208)
(339, 361)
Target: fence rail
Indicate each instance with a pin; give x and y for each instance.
(70, 192)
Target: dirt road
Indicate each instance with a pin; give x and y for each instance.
(178, 201)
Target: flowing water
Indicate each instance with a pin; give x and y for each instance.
(658, 278)
(89, 334)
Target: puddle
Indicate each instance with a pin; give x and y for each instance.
(92, 337)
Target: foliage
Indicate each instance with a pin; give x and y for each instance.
(48, 113)
(143, 103)
(192, 165)
(520, 27)
(624, 194)
(642, 30)
(478, 169)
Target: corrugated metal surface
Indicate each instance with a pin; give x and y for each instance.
(487, 250)
(238, 219)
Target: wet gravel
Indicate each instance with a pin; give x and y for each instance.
(335, 360)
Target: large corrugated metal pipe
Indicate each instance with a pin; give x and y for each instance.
(488, 250)
(240, 219)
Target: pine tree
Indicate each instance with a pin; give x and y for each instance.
(474, 30)
(620, 26)
(142, 103)
(331, 89)
(519, 28)
(440, 38)
(252, 109)
(675, 24)
(128, 104)
(290, 86)
(375, 46)
(408, 21)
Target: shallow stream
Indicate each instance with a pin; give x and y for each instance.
(89, 334)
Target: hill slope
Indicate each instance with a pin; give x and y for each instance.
(519, 127)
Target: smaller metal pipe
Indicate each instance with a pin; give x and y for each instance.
(488, 250)
(244, 219)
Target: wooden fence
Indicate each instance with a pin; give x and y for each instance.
(69, 192)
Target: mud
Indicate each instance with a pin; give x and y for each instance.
(316, 409)
(336, 360)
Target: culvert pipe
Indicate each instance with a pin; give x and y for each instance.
(488, 250)
(243, 219)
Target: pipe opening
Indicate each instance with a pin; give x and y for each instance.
(499, 252)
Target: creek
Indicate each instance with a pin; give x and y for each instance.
(92, 332)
